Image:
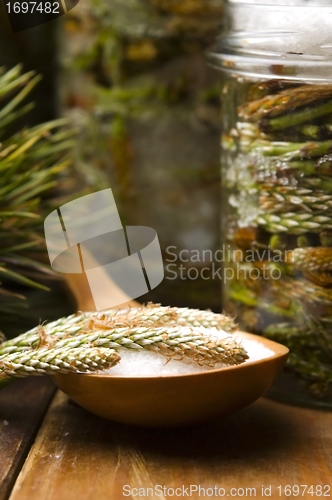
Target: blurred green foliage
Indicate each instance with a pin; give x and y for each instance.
(134, 79)
(31, 161)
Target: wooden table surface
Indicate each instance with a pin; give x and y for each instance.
(51, 449)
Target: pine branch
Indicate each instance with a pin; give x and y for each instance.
(30, 163)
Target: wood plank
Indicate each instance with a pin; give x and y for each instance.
(77, 455)
(22, 408)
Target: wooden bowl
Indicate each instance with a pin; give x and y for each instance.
(176, 400)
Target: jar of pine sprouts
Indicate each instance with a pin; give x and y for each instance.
(276, 60)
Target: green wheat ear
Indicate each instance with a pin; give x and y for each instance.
(150, 316)
(55, 360)
(90, 341)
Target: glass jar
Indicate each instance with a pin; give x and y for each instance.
(276, 59)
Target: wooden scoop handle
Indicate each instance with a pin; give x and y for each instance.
(79, 286)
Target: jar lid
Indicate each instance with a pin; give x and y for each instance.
(290, 39)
